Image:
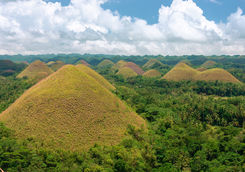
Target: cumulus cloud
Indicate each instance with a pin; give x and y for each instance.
(36, 26)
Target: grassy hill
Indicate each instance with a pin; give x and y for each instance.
(153, 63)
(201, 69)
(216, 74)
(36, 71)
(126, 72)
(70, 110)
(152, 73)
(181, 72)
(119, 64)
(134, 67)
(95, 75)
(184, 72)
(82, 62)
(209, 64)
(7, 67)
(56, 65)
(105, 63)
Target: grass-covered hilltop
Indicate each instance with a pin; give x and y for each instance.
(122, 113)
(72, 109)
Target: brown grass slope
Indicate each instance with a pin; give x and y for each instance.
(181, 72)
(126, 72)
(152, 73)
(56, 65)
(201, 69)
(216, 74)
(96, 76)
(208, 64)
(119, 64)
(70, 110)
(83, 62)
(184, 72)
(105, 63)
(134, 67)
(151, 63)
(36, 71)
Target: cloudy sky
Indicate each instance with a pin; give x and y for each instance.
(167, 27)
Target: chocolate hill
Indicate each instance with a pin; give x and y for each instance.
(184, 72)
(71, 110)
(36, 71)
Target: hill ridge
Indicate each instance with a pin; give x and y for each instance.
(182, 71)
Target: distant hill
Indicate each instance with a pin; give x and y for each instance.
(36, 71)
(181, 72)
(82, 62)
(55, 65)
(105, 63)
(70, 110)
(209, 64)
(99, 78)
(153, 63)
(152, 73)
(201, 69)
(184, 72)
(126, 72)
(216, 74)
(8, 67)
(119, 64)
(134, 67)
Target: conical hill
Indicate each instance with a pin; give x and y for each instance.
(216, 74)
(184, 72)
(56, 65)
(153, 63)
(126, 72)
(96, 76)
(181, 72)
(105, 63)
(209, 64)
(36, 71)
(83, 62)
(134, 67)
(70, 110)
(152, 73)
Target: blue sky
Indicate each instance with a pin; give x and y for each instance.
(129, 27)
(217, 10)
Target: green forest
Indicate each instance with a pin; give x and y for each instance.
(191, 125)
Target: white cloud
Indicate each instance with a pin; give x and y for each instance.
(215, 1)
(35, 26)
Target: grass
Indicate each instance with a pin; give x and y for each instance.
(217, 74)
(181, 72)
(134, 67)
(208, 64)
(123, 66)
(151, 63)
(184, 72)
(126, 72)
(105, 63)
(96, 76)
(83, 62)
(56, 65)
(70, 110)
(152, 73)
(36, 71)
(119, 64)
(201, 69)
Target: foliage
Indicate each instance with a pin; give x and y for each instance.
(11, 89)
